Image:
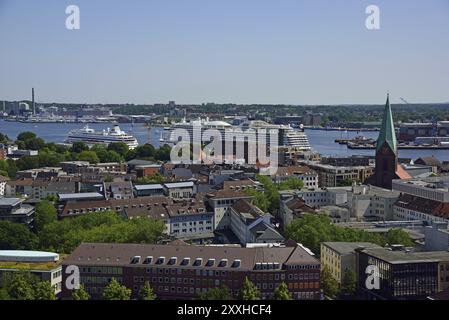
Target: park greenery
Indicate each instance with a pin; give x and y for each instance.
(312, 229)
(65, 235)
(52, 154)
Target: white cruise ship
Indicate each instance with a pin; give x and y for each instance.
(287, 136)
(91, 137)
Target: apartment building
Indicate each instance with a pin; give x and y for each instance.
(252, 225)
(220, 202)
(185, 271)
(308, 176)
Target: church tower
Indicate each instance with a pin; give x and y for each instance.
(386, 151)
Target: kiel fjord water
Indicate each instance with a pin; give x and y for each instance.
(321, 141)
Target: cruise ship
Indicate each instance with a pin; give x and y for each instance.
(91, 137)
(288, 137)
(289, 144)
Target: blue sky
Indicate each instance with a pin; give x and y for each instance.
(240, 51)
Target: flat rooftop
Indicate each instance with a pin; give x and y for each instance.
(399, 257)
(140, 187)
(10, 201)
(84, 195)
(349, 247)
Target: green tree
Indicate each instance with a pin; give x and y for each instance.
(349, 283)
(28, 162)
(398, 236)
(146, 292)
(45, 214)
(20, 285)
(44, 291)
(119, 147)
(79, 146)
(27, 135)
(4, 294)
(249, 291)
(89, 156)
(221, 293)
(282, 293)
(259, 199)
(15, 236)
(291, 184)
(328, 283)
(115, 291)
(80, 294)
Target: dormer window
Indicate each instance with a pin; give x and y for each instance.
(148, 260)
(135, 260)
(210, 262)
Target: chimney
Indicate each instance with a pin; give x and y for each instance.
(32, 99)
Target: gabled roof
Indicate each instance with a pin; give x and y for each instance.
(387, 134)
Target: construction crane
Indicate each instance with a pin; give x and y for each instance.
(403, 100)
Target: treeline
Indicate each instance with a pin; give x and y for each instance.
(51, 154)
(313, 229)
(63, 236)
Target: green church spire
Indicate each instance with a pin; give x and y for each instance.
(387, 133)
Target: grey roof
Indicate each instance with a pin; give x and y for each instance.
(262, 231)
(140, 187)
(10, 201)
(398, 257)
(84, 195)
(343, 248)
(186, 184)
(138, 162)
(113, 254)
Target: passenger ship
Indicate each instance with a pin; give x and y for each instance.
(91, 137)
(287, 136)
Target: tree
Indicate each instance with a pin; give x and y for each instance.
(292, 183)
(45, 214)
(44, 291)
(20, 285)
(80, 294)
(398, 236)
(282, 293)
(328, 283)
(89, 156)
(27, 135)
(79, 146)
(115, 291)
(15, 236)
(349, 283)
(259, 199)
(313, 229)
(120, 147)
(146, 292)
(221, 293)
(249, 291)
(4, 294)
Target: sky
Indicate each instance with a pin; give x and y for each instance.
(225, 51)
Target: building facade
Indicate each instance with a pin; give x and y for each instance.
(184, 271)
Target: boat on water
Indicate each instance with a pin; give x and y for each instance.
(91, 137)
(287, 136)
